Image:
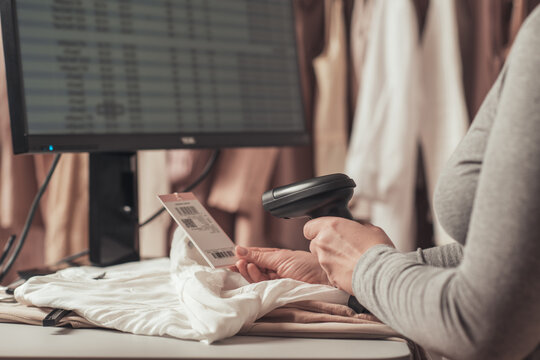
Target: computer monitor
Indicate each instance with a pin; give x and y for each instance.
(111, 77)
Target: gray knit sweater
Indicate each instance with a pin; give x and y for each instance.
(478, 298)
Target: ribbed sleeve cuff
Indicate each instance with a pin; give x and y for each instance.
(366, 260)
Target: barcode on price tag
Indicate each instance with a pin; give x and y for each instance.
(201, 228)
(187, 210)
(189, 223)
(221, 254)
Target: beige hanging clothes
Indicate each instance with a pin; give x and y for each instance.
(152, 181)
(66, 220)
(241, 178)
(330, 120)
(360, 23)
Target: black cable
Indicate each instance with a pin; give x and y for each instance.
(7, 248)
(202, 176)
(29, 219)
(68, 259)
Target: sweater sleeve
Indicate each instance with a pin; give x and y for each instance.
(449, 255)
(488, 307)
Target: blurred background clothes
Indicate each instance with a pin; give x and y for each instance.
(487, 29)
(398, 107)
(389, 88)
(383, 135)
(330, 126)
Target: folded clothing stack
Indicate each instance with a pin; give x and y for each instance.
(177, 297)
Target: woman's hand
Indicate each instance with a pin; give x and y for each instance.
(259, 264)
(338, 244)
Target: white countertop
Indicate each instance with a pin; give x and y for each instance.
(18, 341)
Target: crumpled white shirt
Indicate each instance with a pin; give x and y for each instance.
(176, 297)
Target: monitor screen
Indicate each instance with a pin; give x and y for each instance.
(123, 75)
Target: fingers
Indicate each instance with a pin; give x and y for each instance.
(264, 258)
(255, 274)
(313, 227)
(313, 248)
(252, 273)
(244, 251)
(260, 249)
(257, 264)
(241, 265)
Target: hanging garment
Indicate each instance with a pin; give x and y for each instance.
(309, 21)
(330, 126)
(381, 156)
(66, 220)
(487, 30)
(443, 118)
(175, 297)
(359, 37)
(242, 176)
(152, 181)
(410, 92)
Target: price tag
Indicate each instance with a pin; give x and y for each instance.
(201, 228)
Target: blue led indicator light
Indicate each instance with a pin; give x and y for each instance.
(51, 148)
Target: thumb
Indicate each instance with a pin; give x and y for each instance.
(263, 258)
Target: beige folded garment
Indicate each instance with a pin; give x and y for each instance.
(317, 319)
(304, 318)
(303, 312)
(18, 313)
(317, 312)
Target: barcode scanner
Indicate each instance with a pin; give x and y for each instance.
(320, 196)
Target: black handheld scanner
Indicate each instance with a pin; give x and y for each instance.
(321, 196)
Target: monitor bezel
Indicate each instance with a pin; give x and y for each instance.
(23, 142)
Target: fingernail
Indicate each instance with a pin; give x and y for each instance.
(242, 251)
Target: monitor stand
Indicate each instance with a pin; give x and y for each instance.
(114, 220)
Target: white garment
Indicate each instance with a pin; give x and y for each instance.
(410, 91)
(176, 297)
(443, 114)
(380, 157)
